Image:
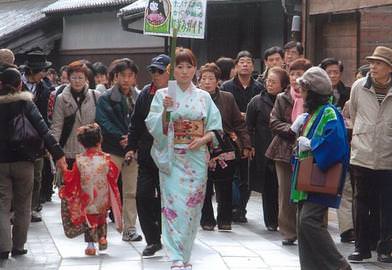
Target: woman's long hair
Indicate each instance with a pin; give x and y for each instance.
(313, 101)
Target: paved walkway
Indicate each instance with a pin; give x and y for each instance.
(247, 247)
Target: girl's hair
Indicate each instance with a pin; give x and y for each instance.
(225, 64)
(211, 67)
(300, 64)
(89, 135)
(313, 101)
(185, 55)
(283, 76)
(10, 79)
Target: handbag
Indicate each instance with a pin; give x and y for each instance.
(223, 158)
(24, 138)
(70, 230)
(312, 179)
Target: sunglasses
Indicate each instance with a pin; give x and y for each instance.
(155, 70)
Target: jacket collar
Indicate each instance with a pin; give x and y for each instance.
(266, 97)
(368, 85)
(20, 96)
(287, 96)
(116, 95)
(67, 93)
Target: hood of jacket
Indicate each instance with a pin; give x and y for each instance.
(19, 96)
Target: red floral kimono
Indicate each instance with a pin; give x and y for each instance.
(91, 189)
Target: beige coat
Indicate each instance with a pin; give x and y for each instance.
(65, 106)
(371, 145)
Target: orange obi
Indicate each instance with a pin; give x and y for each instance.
(185, 131)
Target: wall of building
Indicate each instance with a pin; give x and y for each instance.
(99, 37)
(101, 31)
(376, 30)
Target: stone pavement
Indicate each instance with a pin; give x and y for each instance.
(247, 247)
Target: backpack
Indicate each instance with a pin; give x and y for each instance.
(24, 138)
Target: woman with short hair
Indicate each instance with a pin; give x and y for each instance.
(74, 107)
(234, 128)
(323, 136)
(288, 106)
(262, 170)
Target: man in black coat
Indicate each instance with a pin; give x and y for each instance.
(140, 141)
(34, 81)
(244, 88)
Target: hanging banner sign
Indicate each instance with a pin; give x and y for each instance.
(187, 16)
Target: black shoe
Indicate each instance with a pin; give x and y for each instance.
(240, 219)
(208, 227)
(18, 252)
(38, 208)
(356, 256)
(224, 227)
(151, 249)
(347, 236)
(272, 228)
(4, 255)
(384, 258)
(288, 242)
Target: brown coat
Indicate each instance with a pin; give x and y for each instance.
(232, 120)
(281, 147)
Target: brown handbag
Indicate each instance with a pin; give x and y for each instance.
(312, 179)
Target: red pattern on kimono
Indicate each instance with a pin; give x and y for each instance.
(91, 189)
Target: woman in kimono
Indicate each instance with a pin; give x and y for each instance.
(180, 152)
(324, 137)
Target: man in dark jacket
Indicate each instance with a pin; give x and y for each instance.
(334, 69)
(113, 114)
(148, 199)
(244, 88)
(34, 81)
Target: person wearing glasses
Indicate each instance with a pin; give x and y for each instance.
(148, 201)
(74, 107)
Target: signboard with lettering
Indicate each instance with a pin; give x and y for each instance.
(187, 16)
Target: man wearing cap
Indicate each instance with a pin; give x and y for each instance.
(371, 154)
(148, 200)
(35, 82)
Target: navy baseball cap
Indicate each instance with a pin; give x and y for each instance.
(160, 62)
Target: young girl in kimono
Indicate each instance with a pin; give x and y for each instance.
(91, 189)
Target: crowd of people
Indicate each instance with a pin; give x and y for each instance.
(160, 154)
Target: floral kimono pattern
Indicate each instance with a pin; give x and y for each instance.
(182, 172)
(91, 189)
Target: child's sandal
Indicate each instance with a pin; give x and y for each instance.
(102, 243)
(90, 251)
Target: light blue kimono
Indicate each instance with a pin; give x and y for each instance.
(182, 172)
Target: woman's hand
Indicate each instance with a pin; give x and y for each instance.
(252, 153)
(62, 164)
(167, 102)
(196, 144)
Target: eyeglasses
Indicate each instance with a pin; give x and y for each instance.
(74, 78)
(155, 70)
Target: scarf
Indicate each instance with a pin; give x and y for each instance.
(298, 106)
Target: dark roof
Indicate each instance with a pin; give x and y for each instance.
(137, 8)
(17, 15)
(63, 6)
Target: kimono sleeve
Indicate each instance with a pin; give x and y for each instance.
(213, 119)
(154, 117)
(329, 145)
